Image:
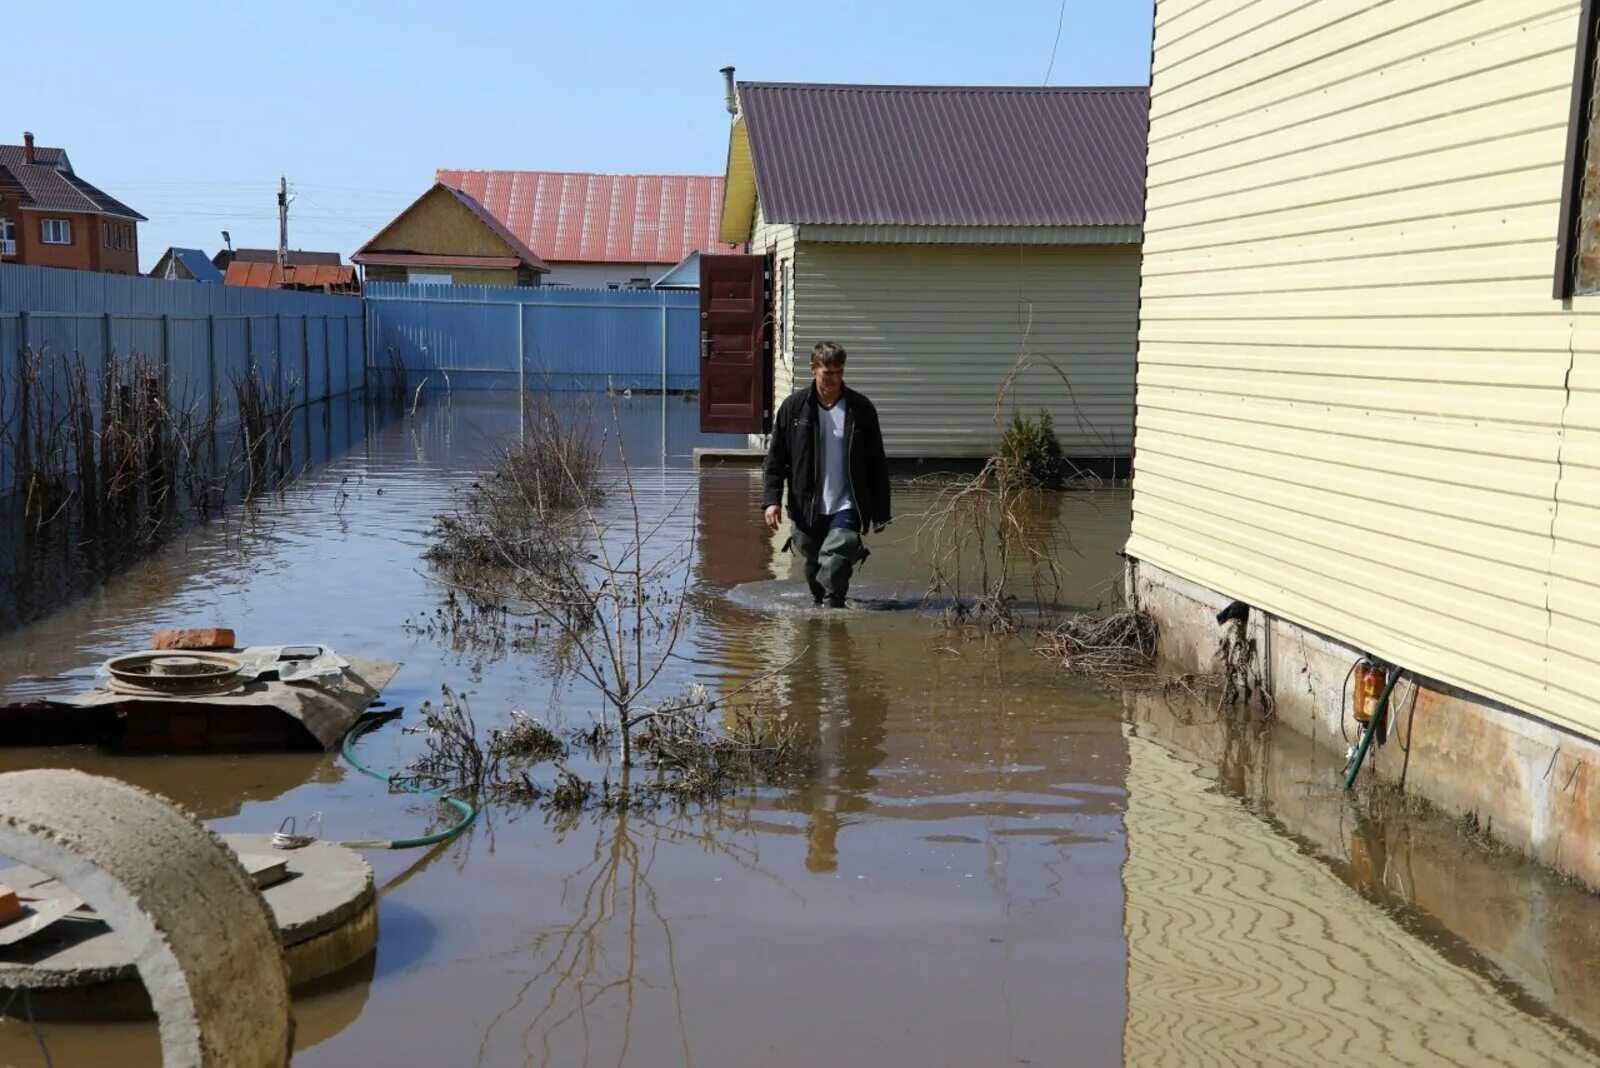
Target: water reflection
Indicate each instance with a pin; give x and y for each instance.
(956, 883)
(1277, 961)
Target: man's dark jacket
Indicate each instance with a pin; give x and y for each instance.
(794, 454)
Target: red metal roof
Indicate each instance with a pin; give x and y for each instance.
(947, 155)
(602, 218)
(265, 276)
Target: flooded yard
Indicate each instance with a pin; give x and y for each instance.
(988, 864)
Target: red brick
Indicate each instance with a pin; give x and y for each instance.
(193, 638)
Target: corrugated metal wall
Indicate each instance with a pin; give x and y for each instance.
(1359, 407)
(933, 330)
(569, 339)
(206, 334)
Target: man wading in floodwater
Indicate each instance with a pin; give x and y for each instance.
(827, 445)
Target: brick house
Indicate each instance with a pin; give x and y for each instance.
(50, 217)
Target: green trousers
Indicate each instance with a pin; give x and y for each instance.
(831, 556)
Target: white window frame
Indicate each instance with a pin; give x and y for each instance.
(59, 226)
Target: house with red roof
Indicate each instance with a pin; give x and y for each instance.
(445, 237)
(50, 216)
(307, 277)
(958, 241)
(601, 230)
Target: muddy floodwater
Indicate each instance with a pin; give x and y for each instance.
(988, 865)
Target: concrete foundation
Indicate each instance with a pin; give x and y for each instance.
(196, 928)
(729, 457)
(1528, 783)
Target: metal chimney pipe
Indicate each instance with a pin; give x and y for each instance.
(730, 96)
(27, 144)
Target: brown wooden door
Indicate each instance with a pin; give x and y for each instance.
(735, 367)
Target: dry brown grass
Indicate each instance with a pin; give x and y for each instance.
(1117, 647)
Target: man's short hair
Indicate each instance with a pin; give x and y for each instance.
(828, 354)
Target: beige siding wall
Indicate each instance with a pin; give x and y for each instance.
(933, 330)
(1359, 407)
(778, 239)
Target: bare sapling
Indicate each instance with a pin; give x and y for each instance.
(548, 534)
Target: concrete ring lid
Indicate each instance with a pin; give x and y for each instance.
(325, 886)
(200, 934)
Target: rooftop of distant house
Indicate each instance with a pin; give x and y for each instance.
(576, 217)
(42, 177)
(296, 257)
(256, 275)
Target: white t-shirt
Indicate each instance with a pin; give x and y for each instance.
(835, 480)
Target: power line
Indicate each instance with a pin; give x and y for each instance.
(1061, 18)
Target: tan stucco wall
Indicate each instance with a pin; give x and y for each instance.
(439, 223)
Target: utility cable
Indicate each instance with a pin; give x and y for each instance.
(1061, 18)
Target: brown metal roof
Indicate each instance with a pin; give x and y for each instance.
(947, 155)
(50, 184)
(296, 258)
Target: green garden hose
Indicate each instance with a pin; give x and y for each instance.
(468, 813)
(1353, 768)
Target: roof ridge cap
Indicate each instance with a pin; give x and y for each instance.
(585, 174)
(864, 87)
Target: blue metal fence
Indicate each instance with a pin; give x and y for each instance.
(559, 338)
(204, 336)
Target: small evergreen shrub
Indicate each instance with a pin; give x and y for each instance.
(1030, 451)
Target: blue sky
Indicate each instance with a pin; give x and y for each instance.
(190, 111)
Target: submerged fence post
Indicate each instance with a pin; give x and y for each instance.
(305, 357)
(166, 356)
(105, 341)
(663, 300)
(522, 370)
(27, 331)
(211, 366)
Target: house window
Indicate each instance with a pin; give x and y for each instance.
(127, 234)
(105, 234)
(56, 231)
(1578, 246)
(8, 237)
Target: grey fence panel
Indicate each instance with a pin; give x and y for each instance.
(558, 338)
(189, 363)
(207, 336)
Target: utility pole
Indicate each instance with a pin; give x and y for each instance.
(283, 229)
